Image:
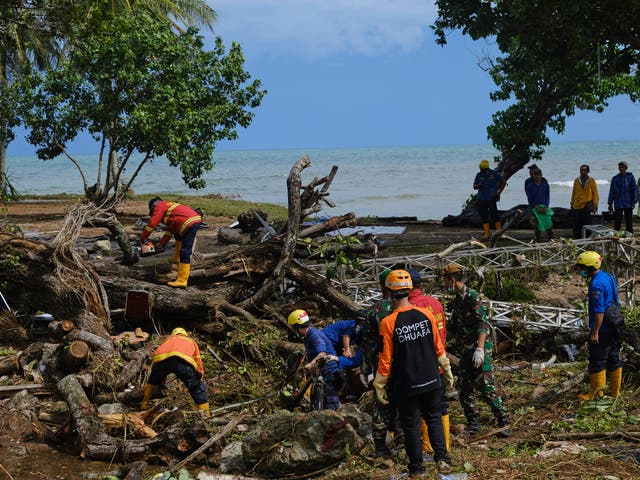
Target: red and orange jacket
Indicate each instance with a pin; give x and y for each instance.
(410, 350)
(179, 346)
(419, 299)
(177, 217)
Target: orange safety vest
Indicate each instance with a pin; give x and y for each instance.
(179, 346)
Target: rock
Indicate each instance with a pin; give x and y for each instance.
(22, 401)
(232, 236)
(102, 247)
(109, 408)
(231, 459)
(287, 442)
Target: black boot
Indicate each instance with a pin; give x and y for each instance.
(473, 426)
(503, 421)
(381, 448)
(550, 234)
(538, 235)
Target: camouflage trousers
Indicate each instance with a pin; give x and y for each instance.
(385, 419)
(472, 380)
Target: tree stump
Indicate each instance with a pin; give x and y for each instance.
(74, 355)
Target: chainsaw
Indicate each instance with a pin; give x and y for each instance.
(148, 248)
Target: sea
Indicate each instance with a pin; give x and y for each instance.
(426, 182)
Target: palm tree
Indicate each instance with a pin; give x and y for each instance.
(33, 34)
(26, 41)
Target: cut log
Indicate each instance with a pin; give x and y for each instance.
(61, 328)
(74, 355)
(126, 421)
(93, 439)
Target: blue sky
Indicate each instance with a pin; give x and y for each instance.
(355, 73)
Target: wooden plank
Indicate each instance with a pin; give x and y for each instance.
(33, 388)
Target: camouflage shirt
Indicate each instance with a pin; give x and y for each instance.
(468, 320)
(370, 345)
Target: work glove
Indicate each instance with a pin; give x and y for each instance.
(447, 374)
(478, 357)
(379, 385)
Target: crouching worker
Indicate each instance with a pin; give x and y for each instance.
(179, 355)
(318, 354)
(182, 222)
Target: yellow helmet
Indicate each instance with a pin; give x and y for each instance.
(450, 269)
(589, 259)
(398, 280)
(298, 318)
(179, 331)
(484, 164)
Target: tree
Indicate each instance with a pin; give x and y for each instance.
(556, 57)
(33, 34)
(26, 41)
(139, 88)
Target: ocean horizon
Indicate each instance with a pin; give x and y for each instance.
(427, 182)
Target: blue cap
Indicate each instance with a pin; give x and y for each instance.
(415, 275)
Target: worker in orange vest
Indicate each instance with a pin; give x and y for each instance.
(179, 355)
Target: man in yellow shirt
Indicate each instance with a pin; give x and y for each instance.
(584, 201)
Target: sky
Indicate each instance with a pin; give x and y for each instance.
(359, 73)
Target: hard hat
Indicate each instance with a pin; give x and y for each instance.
(415, 275)
(398, 280)
(450, 269)
(298, 318)
(589, 259)
(152, 204)
(484, 164)
(179, 331)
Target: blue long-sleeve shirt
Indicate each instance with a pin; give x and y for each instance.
(316, 342)
(337, 330)
(538, 194)
(487, 181)
(623, 192)
(602, 293)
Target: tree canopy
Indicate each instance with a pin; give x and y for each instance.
(555, 57)
(138, 87)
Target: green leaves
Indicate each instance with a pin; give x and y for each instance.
(555, 57)
(139, 87)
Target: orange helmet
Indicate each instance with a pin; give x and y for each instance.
(398, 280)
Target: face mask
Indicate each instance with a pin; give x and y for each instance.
(582, 273)
(451, 289)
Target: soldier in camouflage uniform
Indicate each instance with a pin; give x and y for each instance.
(384, 416)
(469, 333)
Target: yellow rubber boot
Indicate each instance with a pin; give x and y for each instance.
(183, 275)
(597, 381)
(146, 396)
(424, 434)
(205, 409)
(615, 378)
(498, 225)
(176, 253)
(487, 231)
(446, 428)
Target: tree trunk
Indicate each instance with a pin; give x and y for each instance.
(94, 441)
(110, 221)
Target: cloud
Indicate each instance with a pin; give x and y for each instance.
(322, 28)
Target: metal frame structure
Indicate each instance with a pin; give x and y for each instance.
(363, 286)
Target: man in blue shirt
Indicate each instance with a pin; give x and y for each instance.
(343, 334)
(604, 344)
(538, 197)
(623, 195)
(489, 184)
(319, 354)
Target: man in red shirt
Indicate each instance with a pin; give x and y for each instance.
(419, 299)
(182, 222)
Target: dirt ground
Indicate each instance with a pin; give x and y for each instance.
(23, 455)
